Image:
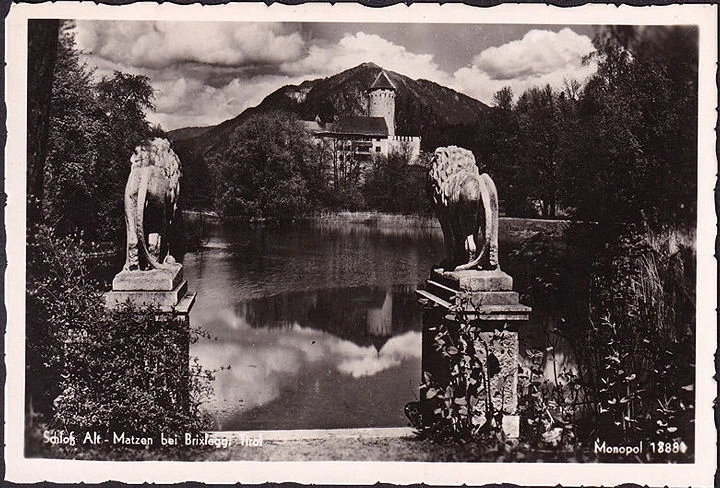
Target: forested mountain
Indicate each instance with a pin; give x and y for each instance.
(439, 115)
(422, 107)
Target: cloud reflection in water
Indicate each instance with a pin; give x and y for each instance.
(268, 362)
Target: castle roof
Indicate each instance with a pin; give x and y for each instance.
(360, 126)
(382, 82)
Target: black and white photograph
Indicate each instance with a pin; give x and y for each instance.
(407, 238)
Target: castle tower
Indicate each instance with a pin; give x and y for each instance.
(382, 100)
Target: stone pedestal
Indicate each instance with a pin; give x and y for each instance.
(152, 280)
(484, 299)
(483, 295)
(164, 289)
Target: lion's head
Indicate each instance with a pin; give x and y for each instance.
(449, 163)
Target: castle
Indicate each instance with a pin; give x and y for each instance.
(364, 137)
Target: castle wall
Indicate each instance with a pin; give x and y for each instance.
(405, 144)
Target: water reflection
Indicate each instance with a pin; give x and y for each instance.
(379, 321)
(320, 324)
(360, 315)
(310, 349)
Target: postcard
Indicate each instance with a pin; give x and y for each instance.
(335, 244)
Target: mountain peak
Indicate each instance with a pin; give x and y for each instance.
(423, 108)
(368, 65)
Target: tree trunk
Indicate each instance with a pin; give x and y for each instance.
(42, 53)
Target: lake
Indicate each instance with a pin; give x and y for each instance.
(318, 322)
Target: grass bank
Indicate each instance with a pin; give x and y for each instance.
(390, 219)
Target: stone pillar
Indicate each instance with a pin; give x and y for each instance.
(165, 291)
(485, 300)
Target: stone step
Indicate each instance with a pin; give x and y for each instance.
(185, 304)
(435, 299)
(440, 290)
(486, 311)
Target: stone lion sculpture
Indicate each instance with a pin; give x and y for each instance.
(151, 197)
(467, 207)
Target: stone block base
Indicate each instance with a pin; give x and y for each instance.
(486, 300)
(166, 301)
(152, 280)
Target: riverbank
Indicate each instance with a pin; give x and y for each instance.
(510, 228)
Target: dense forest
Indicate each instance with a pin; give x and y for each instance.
(79, 148)
(621, 147)
(93, 125)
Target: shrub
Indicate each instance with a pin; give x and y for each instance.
(265, 170)
(631, 327)
(123, 370)
(394, 185)
(467, 402)
(128, 372)
(640, 341)
(548, 408)
(632, 333)
(58, 294)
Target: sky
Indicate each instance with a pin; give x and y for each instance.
(208, 72)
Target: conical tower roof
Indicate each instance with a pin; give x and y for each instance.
(382, 82)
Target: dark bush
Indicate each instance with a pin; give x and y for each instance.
(393, 185)
(264, 172)
(94, 369)
(639, 349)
(631, 331)
(128, 372)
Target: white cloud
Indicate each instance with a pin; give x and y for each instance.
(539, 52)
(367, 362)
(205, 73)
(266, 362)
(189, 101)
(540, 57)
(326, 58)
(162, 44)
(179, 58)
(180, 102)
(480, 85)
